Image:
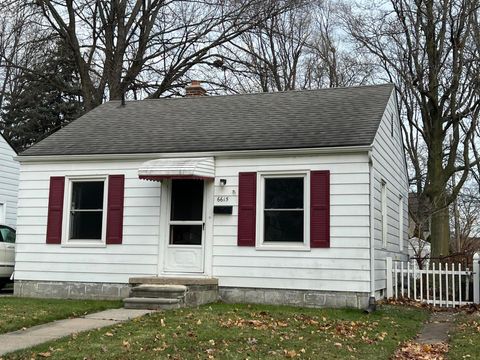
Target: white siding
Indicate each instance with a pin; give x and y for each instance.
(9, 170)
(342, 267)
(389, 166)
(137, 256)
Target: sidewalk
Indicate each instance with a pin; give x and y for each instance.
(437, 329)
(36, 335)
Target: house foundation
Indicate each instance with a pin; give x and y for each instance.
(302, 298)
(199, 292)
(70, 290)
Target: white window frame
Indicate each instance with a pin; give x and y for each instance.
(400, 222)
(287, 246)
(67, 201)
(384, 207)
(3, 212)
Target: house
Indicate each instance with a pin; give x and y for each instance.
(9, 173)
(291, 197)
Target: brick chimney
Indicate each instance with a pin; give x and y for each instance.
(195, 89)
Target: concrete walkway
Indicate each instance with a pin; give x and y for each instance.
(36, 335)
(437, 329)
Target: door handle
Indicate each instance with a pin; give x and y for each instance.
(203, 226)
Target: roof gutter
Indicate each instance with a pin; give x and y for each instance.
(223, 154)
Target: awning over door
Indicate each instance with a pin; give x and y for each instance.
(178, 168)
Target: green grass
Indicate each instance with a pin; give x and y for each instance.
(465, 341)
(19, 313)
(221, 331)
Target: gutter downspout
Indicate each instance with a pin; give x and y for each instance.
(371, 301)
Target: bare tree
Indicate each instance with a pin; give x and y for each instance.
(297, 49)
(467, 216)
(146, 46)
(428, 48)
(21, 45)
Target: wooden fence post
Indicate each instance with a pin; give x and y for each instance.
(388, 261)
(476, 278)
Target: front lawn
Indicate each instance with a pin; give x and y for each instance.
(221, 331)
(18, 313)
(465, 342)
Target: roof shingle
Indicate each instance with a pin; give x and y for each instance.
(283, 120)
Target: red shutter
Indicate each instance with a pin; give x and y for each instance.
(320, 209)
(247, 202)
(55, 210)
(116, 185)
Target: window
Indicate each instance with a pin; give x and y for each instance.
(283, 207)
(400, 222)
(3, 213)
(392, 119)
(7, 234)
(384, 214)
(86, 210)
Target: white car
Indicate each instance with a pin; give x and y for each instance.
(7, 253)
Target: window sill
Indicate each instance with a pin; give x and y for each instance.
(84, 244)
(283, 247)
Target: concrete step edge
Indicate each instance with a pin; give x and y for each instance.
(156, 294)
(140, 300)
(166, 288)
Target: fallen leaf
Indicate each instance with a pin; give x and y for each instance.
(290, 353)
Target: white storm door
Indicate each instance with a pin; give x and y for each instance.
(186, 233)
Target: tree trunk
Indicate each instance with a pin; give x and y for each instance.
(440, 233)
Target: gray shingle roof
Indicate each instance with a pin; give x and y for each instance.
(284, 120)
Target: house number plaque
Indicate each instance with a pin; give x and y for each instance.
(224, 200)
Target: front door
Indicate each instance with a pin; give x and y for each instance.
(186, 233)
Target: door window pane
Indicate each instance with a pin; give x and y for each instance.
(186, 234)
(187, 200)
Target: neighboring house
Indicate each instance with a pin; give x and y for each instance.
(9, 172)
(292, 197)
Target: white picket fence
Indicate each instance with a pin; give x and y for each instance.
(443, 285)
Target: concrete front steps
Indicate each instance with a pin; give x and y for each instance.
(163, 293)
